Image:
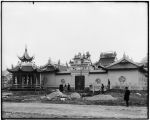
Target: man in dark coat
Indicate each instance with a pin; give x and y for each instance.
(102, 89)
(126, 96)
(68, 87)
(61, 88)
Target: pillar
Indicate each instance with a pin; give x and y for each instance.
(22, 80)
(36, 80)
(17, 80)
(40, 79)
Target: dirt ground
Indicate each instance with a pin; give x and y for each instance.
(46, 110)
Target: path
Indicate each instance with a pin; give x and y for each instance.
(76, 111)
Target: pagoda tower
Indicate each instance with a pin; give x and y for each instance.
(25, 75)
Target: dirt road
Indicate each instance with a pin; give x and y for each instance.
(75, 111)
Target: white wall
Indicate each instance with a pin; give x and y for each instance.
(142, 80)
(51, 79)
(132, 80)
(67, 79)
(93, 77)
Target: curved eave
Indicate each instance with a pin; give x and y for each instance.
(11, 70)
(18, 69)
(48, 71)
(122, 68)
(63, 73)
(23, 59)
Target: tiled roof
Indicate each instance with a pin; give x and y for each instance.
(123, 60)
(26, 57)
(24, 68)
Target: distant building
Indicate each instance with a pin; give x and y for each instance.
(6, 79)
(106, 58)
(80, 74)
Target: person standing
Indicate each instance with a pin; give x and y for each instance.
(68, 87)
(108, 86)
(61, 88)
(102, 89)
(126, 96)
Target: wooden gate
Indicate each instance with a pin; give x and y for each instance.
(79, 82)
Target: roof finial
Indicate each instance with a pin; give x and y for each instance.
(59, 62)
(49, 60)
(124, 55)
(12, 66)
(66, 64)
(26, 48)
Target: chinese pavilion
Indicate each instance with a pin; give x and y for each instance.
(26, 74)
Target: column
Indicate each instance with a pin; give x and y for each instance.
(17, 81)
(31, 81)
(26, 80)
(22, 81)
(40, 80)
(13, 80)
(36, 80)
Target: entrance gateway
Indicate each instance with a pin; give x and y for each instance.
(79, 82)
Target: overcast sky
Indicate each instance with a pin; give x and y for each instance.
(61, 30)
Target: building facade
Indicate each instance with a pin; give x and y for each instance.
(81, 73)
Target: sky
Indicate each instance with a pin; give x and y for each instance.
(59, 30)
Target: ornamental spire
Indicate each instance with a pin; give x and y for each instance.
(26, 57)
(25, 48)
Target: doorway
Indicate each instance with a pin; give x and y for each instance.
(79, 82)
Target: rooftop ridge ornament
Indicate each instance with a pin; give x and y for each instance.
(26, 48)
(49, 60)
(26, 57)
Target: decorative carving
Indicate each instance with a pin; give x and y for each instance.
(122, 79)
(62, 81)
(98, 81)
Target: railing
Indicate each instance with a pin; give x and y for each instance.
(25, 86)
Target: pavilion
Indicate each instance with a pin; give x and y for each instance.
(26, 75)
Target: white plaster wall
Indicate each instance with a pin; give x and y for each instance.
(132, 79)
(51, 79)
(92, 77)
(142, 81)
(67, 78)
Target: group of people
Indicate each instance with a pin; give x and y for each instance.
(65, 87)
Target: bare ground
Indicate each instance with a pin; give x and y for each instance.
(46, 110)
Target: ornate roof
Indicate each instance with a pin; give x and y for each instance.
(108, 55)
(106, 58)
(49, 67)
(24, 68)
(26, 57)
(124, 63)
